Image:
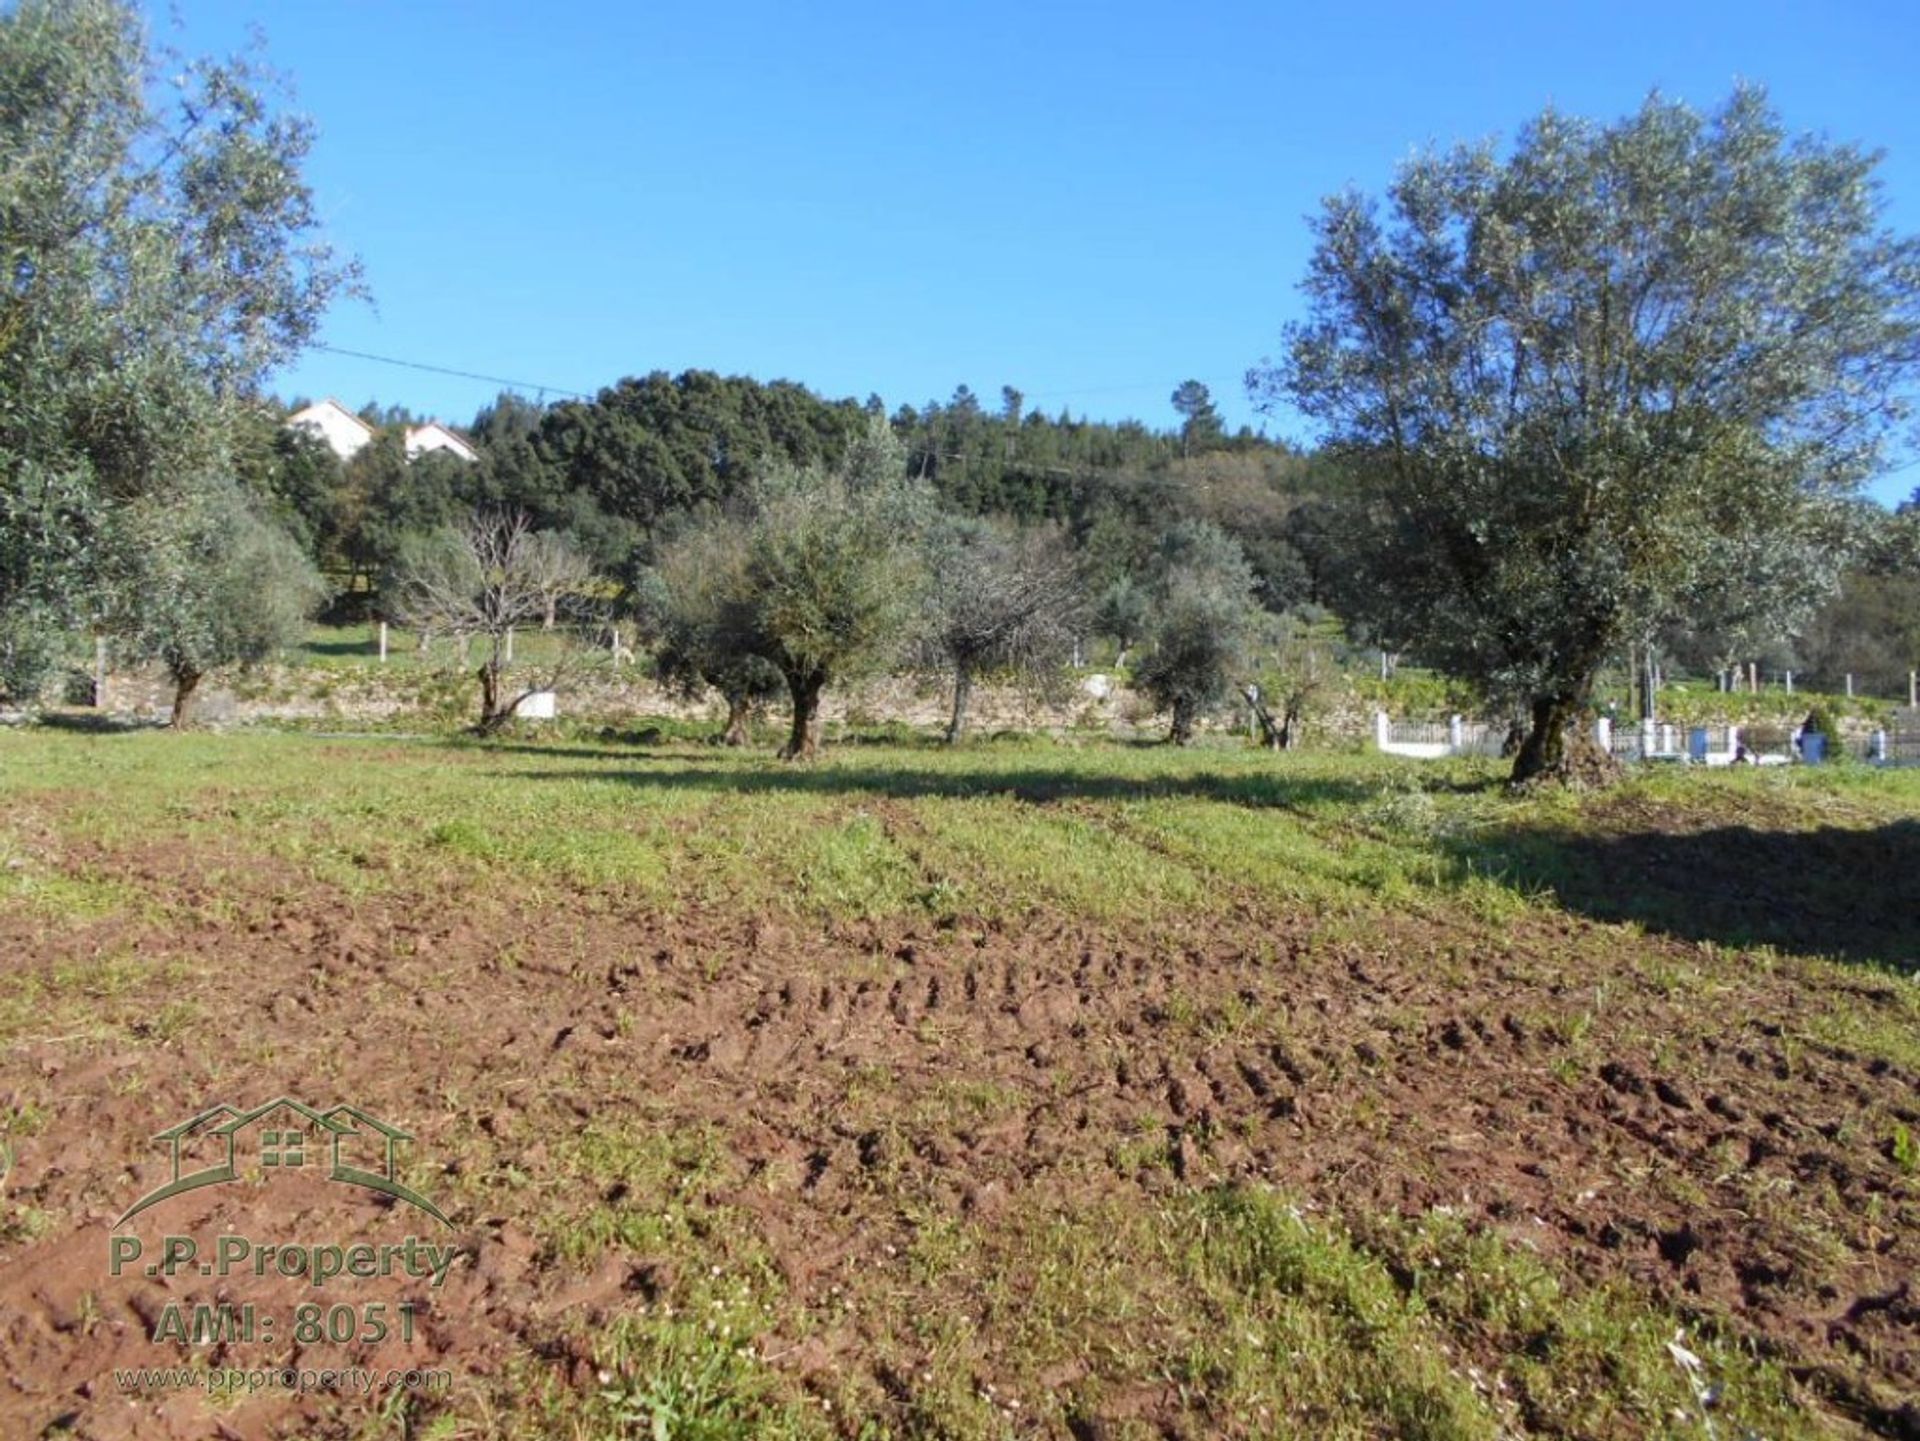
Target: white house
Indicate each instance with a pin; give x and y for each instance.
(435, 436)
(343, 431)
(346, 434)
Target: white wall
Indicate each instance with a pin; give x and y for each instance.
(340, 429)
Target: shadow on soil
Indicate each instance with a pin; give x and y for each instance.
(1850, 894)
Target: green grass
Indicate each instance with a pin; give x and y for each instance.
(1106, 832)
(1259, 1314)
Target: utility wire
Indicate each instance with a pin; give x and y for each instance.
(447, 370)
(585, 395)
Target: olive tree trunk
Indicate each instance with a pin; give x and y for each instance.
(185, 683)
(739, 709)
(803, 743)
(962, 699)
(1557, 748)
(1182, 732)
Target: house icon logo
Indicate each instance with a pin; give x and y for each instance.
(284, 1135)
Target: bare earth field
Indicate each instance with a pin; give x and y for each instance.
(1031, 1091)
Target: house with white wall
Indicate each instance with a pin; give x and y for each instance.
(345, 433)
(435, 436)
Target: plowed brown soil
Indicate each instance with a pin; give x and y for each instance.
(1400, 1066)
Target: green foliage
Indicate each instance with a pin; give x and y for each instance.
(688, 605)
(1200, 427)
(159, 264)
(815, 573)
(831, 583)
(648, 447)
(1620, 375)
(1202, 631)
(206, 582)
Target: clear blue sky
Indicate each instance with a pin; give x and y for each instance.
(1090, 202)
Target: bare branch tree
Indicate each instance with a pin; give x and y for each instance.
(999, 601)
(487, 578)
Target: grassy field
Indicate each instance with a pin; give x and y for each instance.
(1036, 1089)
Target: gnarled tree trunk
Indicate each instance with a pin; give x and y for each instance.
(494, 713)
(185, 683)
(803, 743)
(1558, 749)
(962, 697)
(739, 709)
(1182, 732)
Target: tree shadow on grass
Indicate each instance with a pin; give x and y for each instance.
(1850, 894)
(98, 723)
(1039, 785)
(334, 649)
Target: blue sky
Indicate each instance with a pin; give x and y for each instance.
(1090, 202)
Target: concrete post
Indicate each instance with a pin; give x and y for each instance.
(1753, 677)
(1733, 740)
(383, 642)
(100, 671)
(1456, 733)
(1382, 727)
(1646, 738)
(1913, 688)
(1789, 682)
(1877, 747)
(1666, 739)
(1849, 687)
(1603, 735)
(508, 653)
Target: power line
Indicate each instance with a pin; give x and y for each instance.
(588, 395)
(448, 370)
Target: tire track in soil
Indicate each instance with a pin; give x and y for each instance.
(1304, 1072)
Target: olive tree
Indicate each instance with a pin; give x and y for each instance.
(160, 261)
(997, 599)
(205, 582)
(1202, 626)
(830, 589)
(691, 611)
(1579, 385)
(816, 573)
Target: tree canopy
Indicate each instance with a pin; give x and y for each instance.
(1586, 386)
(160, 259)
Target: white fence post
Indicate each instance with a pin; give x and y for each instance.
(383, 642)
(1849, 686)
(1382, 729)
(1646, 738)
(1603, 734)
(1789, 682)
(1456, 734)
(1877, 748)
(1666, 739)
(1733, 740)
